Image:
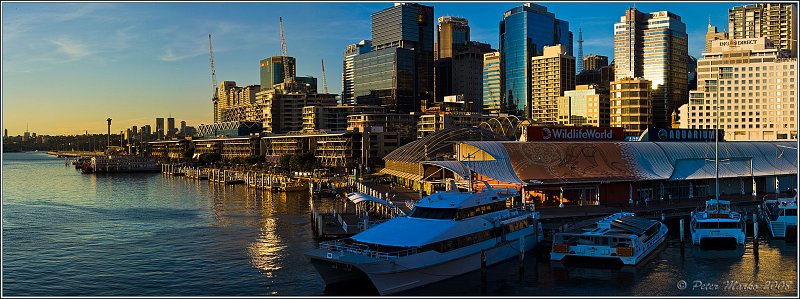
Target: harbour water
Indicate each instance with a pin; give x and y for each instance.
(68, 234)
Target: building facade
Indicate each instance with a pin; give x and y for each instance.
(593, 62)
(587, 105)
(333, 118)
(654, 46)
(272, 70)
(757, 93)
(552, 73)
(775, 21)
(452, 32)
(524, 31)
(352, 50)
(160, 128)
(283, 111)
(631, 105)
(398, 73)
(492, 100)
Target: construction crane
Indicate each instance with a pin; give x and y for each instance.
(324, 81)
(287, 78)
(214, 98)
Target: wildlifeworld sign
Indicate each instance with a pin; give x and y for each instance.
(563, 133)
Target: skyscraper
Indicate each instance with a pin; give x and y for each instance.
(712, 35)
(171, 127)
(552, 73)
(492, 103)
(524, 31)
(660, 58)
(398, 73)
(272, 70)
(775, 21)
(160, 127)
(352, 50)
(452, 32)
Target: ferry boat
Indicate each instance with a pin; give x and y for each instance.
(293, 186)
(717, 223)
(120, 163)
(780, 215)
(621, 237)
(442, 237)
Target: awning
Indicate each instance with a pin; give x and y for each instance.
(695, 169)
(401, 174)
(357, 197)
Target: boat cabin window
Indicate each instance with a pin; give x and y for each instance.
(708, 225)
(480, 210)
(433, 213)
(789, 212)
(718, 206)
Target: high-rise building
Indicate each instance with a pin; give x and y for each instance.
(283, 112)
(171, 127)
(223, 99)
(183, 127)
(352, 50)
(398, 73)
(552, 73)
(452, 32)
(272, 70)
(587, 105)
(631, 106)
(160, 128)
(524, 31)
(712, 35)
(654, 47)
(593, 62)
(309, 82)
(757, 94)
(462, 74)
(775, 21)
(492, 103)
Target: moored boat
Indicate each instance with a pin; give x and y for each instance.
(442, 237)
(780, 216)
(717, 223)
(621, 237)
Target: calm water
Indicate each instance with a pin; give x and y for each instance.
(65, 233)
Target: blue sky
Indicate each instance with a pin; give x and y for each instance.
(69, 66)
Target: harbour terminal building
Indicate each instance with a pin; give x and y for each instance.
(612, 173)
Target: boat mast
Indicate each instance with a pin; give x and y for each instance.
(716, 135)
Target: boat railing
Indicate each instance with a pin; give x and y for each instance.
(362, 249)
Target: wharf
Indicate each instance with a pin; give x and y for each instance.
(74, 154)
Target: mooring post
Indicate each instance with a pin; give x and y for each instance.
(682, 233)
(483, 272)
(755, 234)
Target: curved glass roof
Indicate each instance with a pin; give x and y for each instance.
(440, 144)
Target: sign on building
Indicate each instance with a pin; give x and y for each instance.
(564, 133)
(669, 134)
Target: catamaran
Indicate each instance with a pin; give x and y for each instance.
(780, 215)
(619, 237)
(442, 237)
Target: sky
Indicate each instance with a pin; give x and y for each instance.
(69, 66)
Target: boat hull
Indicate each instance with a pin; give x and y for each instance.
(597, 255)
(399, 275)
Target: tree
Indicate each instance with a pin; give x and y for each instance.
(209, 157)
(187, 155)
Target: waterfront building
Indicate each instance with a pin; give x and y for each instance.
(333, 149)
(430, 123)
(593, 62)
(283, 111)
(492, 100)
(352, 50)
(654, 47)
(272, 70)
(552, 73)
(404, 124)
(167, 149)
(228, 148)
(775, 21)
(587, 105)
(333, 118)
(160, 128)
(631, 105)
(524, 32)
(398, 73)
(757, 91)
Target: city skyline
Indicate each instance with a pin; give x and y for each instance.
(65, 61)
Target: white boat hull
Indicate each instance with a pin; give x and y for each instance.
(716, 235)
(604, 252)
(405, 273)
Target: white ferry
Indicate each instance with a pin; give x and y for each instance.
(717, 223)
(621, 236)
(780, 215)
(441, 238)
